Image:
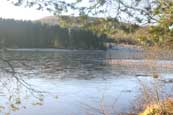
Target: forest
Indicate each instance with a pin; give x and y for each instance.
(118, 58)
(28, 34)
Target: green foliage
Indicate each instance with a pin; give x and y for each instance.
(106, 26)
(162, 33)
(147, 11)
(24, 34)
(118, 32)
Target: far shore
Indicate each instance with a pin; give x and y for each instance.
(115, 47)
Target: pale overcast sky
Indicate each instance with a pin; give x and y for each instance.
(10, 11)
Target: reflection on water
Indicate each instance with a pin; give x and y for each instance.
(75, 81)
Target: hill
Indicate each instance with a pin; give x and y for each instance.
(118, 32)
(27, 34)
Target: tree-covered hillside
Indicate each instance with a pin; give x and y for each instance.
(119, 32)
(27, 34)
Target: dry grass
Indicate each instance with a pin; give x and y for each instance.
(125, 38)
(161, 108)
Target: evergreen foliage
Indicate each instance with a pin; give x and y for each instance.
(27, 34)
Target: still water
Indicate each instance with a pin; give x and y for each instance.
(77, 82)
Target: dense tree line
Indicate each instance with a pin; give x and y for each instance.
(27, 34)
(118, 32)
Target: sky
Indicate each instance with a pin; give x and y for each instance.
(8, 10)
